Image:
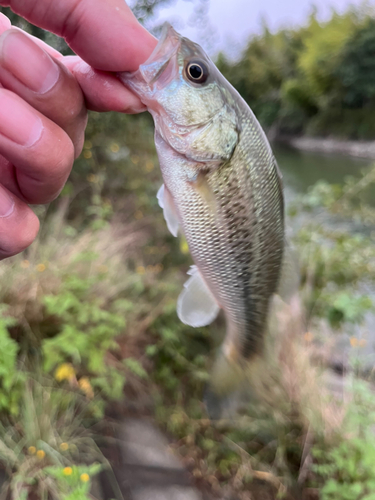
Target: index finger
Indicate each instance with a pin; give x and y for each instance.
(103, 90)
(105, 34)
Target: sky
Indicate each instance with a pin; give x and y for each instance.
(232, 22)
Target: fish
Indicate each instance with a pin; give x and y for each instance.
(222, 190)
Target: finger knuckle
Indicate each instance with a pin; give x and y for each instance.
(74, 16)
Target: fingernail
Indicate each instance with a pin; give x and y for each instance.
(6, 203)
(28, 62)
(17, 121)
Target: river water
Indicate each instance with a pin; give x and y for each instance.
(302, 169)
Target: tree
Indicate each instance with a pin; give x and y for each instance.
(266, 63)
(356, 70)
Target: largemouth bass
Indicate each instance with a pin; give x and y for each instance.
(222, 189)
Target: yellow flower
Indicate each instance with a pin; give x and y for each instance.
(151, 250)
(87, 154)
(65, 371)
(135, 159)
(149, 166)
(353, 341)
(85, 477)
(184, 247)
(25, 264)
(140, 270)
(31, 450)
(114, 147)
(67, 471)
(92, 178)
(40, 454)
(40, 268)
(362, 342)
(64, 446)
(86, 387)
(87, 145)
(158, 268)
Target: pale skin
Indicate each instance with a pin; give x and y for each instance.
(44, 98)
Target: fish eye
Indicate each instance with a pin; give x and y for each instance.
(197, 71)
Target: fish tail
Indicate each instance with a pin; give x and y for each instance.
(230, 374)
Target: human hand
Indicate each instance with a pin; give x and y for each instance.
(44, 96)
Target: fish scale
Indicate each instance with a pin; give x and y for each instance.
(222, 187)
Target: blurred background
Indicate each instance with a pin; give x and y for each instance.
(89, 336)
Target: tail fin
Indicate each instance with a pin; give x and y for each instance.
(219, 407)
(230, 378)
(236, 380)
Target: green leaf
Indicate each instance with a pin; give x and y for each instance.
(135, 367)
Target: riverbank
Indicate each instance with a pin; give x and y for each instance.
(360, 149)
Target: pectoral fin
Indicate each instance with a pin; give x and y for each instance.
(196, 306)
(165, 201)
(202, 187)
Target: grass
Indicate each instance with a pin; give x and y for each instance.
(38, 452)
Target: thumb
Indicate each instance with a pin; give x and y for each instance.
(105, 34)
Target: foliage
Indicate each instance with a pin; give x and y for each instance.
(333, 264)
(316, 79)
(356, 71)
(11, 379)
(322, 44)
(73, 482)
(266, 63)
(66, 308)
(338, 265)
(347, 467)
(87, 332)
(49, 436)
(342, 306)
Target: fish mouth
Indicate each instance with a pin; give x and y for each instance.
(159, 67)
(167, 47)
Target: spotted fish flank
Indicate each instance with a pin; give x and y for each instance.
(222, 190)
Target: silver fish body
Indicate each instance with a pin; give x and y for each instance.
(222, 184)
